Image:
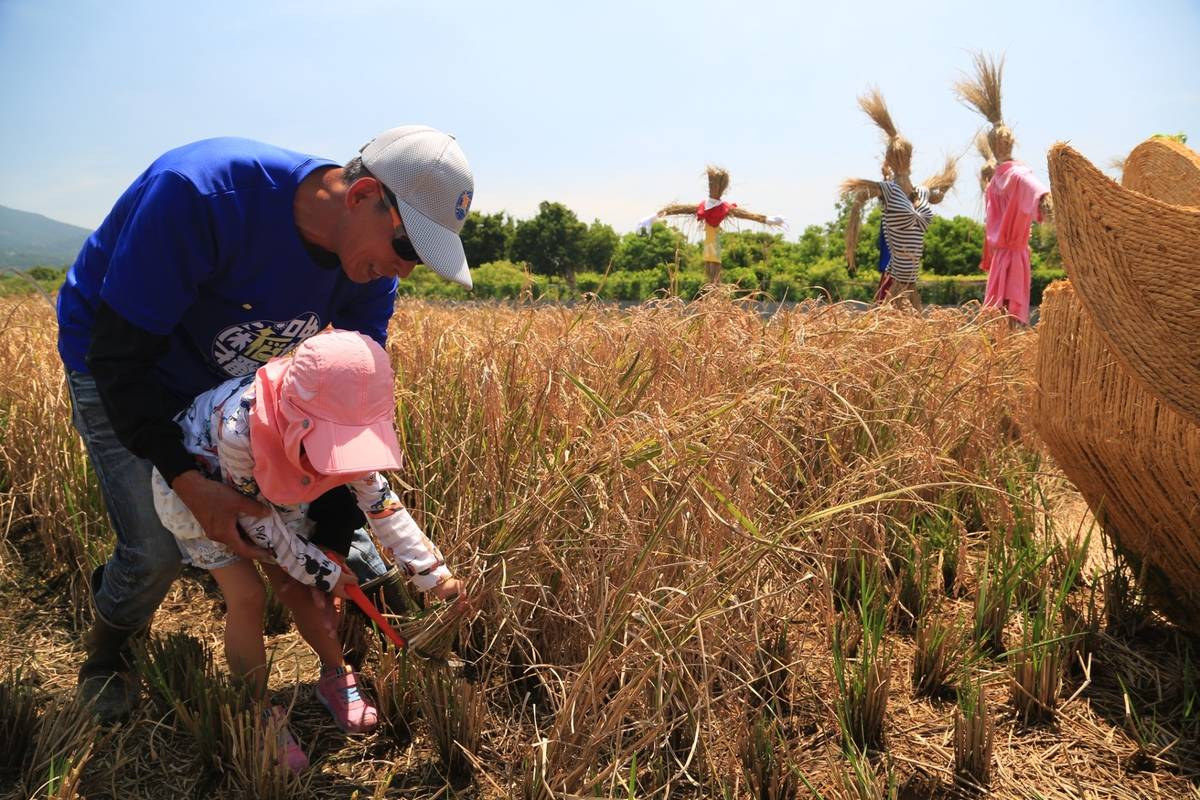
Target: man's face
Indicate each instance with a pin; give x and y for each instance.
(368, 250)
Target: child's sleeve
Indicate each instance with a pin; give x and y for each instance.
(295, 555)
(420, 558)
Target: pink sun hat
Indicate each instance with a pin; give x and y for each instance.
(333, 398)
(341, 384)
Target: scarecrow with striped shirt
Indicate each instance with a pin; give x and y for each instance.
(907, 210)
(1013, 198)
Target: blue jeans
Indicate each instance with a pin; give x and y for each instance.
(146, 559)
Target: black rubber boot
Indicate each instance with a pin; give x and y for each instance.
(106, 680)
(390, 593)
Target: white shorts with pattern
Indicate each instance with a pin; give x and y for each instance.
(197, 549)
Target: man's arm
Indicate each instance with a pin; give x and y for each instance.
(121, 359)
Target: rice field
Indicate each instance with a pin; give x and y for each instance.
(713, 554)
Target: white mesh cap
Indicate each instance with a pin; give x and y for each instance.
(427, 172)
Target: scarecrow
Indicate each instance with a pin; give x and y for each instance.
(1013, 198)
(989, 161)
(712, 212)
(907, 209)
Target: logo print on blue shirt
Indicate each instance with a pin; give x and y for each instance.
(242, 348)
(462, 206)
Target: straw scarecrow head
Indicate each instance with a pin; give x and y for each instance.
(897, 167)
(982, 93)
(897, 156)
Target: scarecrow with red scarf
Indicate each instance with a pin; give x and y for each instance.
(712, 212)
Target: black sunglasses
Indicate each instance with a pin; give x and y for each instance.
(400, 241)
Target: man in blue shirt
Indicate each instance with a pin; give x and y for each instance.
(223, 254)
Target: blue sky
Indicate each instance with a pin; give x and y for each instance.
(613, 108)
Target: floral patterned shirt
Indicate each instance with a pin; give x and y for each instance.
(216, 431)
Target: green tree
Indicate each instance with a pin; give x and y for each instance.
(812, 245)
(1043, 242)
(486, 237)
(552, 242)
(658, 249)
(953, 246)
(599, 244)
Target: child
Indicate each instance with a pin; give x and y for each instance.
(285, 435)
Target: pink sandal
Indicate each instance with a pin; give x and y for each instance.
(290, 753)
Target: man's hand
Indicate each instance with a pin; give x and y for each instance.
(216, 507)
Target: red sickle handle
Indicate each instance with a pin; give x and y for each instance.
(363, 602)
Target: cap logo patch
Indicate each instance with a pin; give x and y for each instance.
(462, 206)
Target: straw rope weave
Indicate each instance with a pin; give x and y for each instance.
(1164, 169)
(1134, 262)
(1135, 461)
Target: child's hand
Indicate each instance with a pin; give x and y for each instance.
(345, 580)
(452, 590)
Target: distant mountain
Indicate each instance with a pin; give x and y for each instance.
(28, 240)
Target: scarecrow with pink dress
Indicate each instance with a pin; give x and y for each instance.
(1013, 200)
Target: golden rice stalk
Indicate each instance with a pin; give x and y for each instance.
(749, 216)
(354, 631)
(942, 181)
(874, 106)
(65, 738)
(171, 665)
(898, 156)
(941, 650)
(718, 181)
(678, 210)
(431, 636)
(1037, 670)
(973, 738)
(396, 693)
(859, 190)
(18, 720)
(251, 763)
(989, 160)
(982, 91)
(764, 755)
(454, 709)
(985, 149)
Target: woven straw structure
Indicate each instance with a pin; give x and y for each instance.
(1135, 461)
(1133, 261)
(1164, 169)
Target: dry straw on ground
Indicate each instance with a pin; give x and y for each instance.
(650, 499)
